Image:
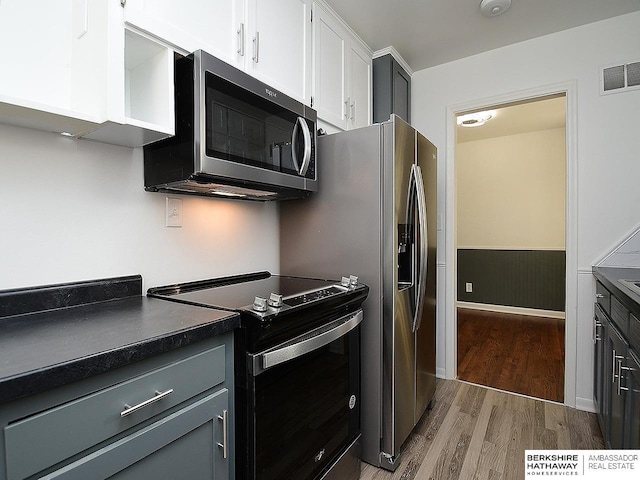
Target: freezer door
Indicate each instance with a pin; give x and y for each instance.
(426, 333)
(400, 280)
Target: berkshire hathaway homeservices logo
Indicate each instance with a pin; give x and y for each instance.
(585, 464)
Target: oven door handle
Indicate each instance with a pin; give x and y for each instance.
(307, 343)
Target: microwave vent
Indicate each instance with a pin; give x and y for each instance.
(620, 78)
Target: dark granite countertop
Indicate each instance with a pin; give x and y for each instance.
(54, 335)
(610, 278)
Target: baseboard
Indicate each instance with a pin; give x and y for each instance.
(533, 312)
(585, 404)
(440, 373)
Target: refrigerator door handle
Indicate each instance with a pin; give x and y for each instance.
(416, 173)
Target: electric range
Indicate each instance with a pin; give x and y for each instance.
(297, 371)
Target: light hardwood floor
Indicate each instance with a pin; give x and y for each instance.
(474, 432)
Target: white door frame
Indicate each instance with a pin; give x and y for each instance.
(571, 267)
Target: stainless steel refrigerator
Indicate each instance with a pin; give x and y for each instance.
(374, 216)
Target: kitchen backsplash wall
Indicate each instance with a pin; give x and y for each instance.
(76, 209)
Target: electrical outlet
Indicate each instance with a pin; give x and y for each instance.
(468, 287)
(173, 212)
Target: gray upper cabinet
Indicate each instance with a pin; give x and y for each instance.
(391, 89)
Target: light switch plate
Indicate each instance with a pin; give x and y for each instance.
(173, 212)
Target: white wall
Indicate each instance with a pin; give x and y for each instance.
(77, 210)
(608, 146)
(510, 191)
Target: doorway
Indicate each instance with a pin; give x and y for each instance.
(510, 230)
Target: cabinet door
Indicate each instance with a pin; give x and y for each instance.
(401, 92)
(279, 45)
(633, 412)
(598, 360)
(359, 86)
(211, 25)
(36, 65)
(52, 61)
(181, 445)
(329, 69)
(391, 89)
(617, 350)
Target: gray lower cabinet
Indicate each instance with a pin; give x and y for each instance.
(599, 341)
(634, 400)
(177, 446)
(616, 371)
(170, 416)
(616, 354)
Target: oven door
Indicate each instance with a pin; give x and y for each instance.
(304, 406)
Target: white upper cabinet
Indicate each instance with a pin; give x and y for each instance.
(103, 69)
(78, 70)
(330, 98)
(270, 40)
(46, 80)
(359, 82)
(215, 26)
(278, 46)
(341, 72)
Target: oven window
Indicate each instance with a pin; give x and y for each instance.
(303, 419)
(245, 128)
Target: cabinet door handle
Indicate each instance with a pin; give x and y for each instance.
(346, 108)
(158, 396)
(223, 445)
(256, 48)
(599, 295)
(353, 111)
(620, 368)
(241, 40)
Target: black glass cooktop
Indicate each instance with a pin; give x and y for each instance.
(235, 293)
(307, 303)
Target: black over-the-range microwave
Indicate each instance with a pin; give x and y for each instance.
(235, 137)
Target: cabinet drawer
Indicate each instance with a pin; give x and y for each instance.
(181, 445)
(634, 331)
(603, 298)
(620, 315)
(47, 438)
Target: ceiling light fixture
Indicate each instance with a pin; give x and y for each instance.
(475, 119)
(493, 8)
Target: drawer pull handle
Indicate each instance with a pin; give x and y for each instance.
(599, 295)
(223, 445)
(158, 396)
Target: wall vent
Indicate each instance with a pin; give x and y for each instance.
(620, 78)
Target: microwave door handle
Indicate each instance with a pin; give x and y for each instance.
(294, 145)
(306, 158)
(416, 172)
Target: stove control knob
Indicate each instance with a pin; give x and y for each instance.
(345, 282)
(353, 281)
(275, 300)
(260, 304)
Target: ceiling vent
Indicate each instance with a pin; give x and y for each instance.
(620, 78)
